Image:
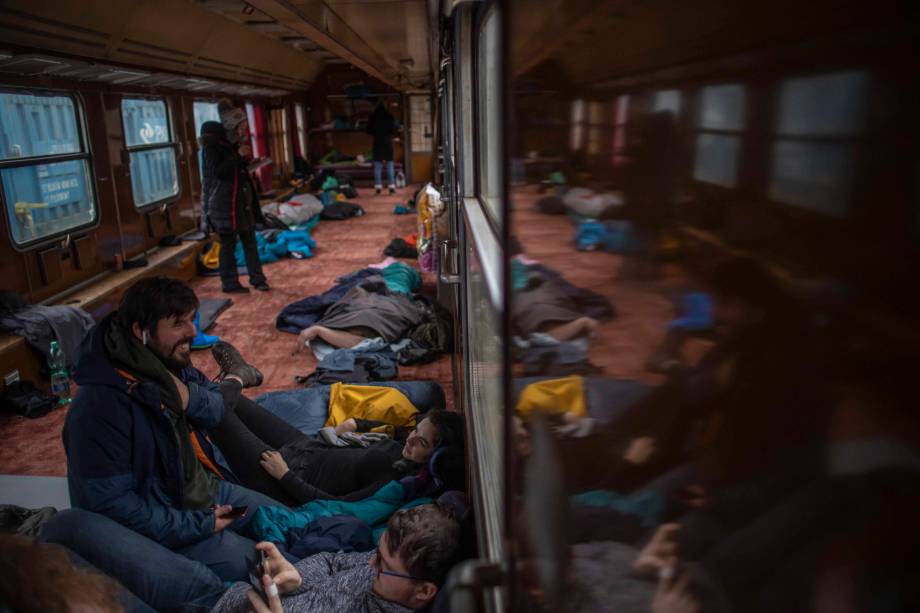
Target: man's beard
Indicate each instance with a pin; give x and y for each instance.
(173, 360)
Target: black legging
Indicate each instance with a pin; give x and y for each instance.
(245, 432)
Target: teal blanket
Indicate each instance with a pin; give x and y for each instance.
(273, 523)
(284, 243)
(401, 278)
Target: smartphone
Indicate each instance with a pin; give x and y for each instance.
(256, 567)
(236, 512)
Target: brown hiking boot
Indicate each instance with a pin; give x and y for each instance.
(232, 363)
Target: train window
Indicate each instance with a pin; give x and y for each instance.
(813, 151)
(204, 111)
(148, 138)
(490, 121)
(620, 116)
(577, 136)
(44, 167)
(598, 125)
(667, 100)
(278, 136)
(718, 139)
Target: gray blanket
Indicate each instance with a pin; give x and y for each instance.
(42, 324)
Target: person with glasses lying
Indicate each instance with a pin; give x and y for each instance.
(404, 574)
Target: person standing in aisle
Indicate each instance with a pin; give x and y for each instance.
(229, 196)
(382, 127)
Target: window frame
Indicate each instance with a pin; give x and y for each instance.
(619, 145)
(598, 133)
(739, 133)
(85, 154)
(171, 143)
(479, 128)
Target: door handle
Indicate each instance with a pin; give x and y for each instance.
(448, 275)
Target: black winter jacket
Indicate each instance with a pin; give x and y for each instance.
(382, 127)
(228, 194)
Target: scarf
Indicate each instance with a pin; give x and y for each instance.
(131, 355)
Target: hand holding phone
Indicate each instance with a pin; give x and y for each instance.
(236, 512)
(258, 566)
(224, 515)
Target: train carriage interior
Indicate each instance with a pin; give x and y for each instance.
(459, 305)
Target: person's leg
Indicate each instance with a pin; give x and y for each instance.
(253, 263)
(336, 338)
(242, 448)
(391, 174)
(161, 578)
(378, 175)
(229, 277)
(226, 552)
(129, 602)
(266, 425)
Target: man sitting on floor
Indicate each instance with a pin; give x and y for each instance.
(134, 452)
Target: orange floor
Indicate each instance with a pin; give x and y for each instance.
(33, 447)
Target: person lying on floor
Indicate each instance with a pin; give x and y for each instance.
(133, 434)
(269, 455)
(404, 574)
(368, 310)
(416, 550)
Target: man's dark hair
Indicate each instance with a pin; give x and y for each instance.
(427, 539)
(449, 425)
(155, 298)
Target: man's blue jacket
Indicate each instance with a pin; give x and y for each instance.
(123, 456)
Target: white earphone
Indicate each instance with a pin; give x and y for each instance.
(144, 337)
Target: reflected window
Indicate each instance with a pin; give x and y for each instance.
(812, 154)
(152, 154)
(44, 167)
(667, 100)
(718, 141)
(598, 126)
(489, 110)
(577, 138)
(620, 116)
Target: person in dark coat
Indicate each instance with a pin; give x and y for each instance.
(135, 432)
(229, 197)
(382, 127)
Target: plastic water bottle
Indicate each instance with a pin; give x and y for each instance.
(60, 380)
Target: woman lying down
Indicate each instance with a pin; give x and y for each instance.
(271, 456)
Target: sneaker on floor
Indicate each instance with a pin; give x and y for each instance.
(377, 189)
(202, 340)
(232, 363)
(236, 289)
(392, 189)
(262, 287)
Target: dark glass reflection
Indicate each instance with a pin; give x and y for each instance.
(714, 308)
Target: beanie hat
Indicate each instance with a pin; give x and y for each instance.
(231, 116)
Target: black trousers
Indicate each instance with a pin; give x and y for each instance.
(229, 278)
(245, 432)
